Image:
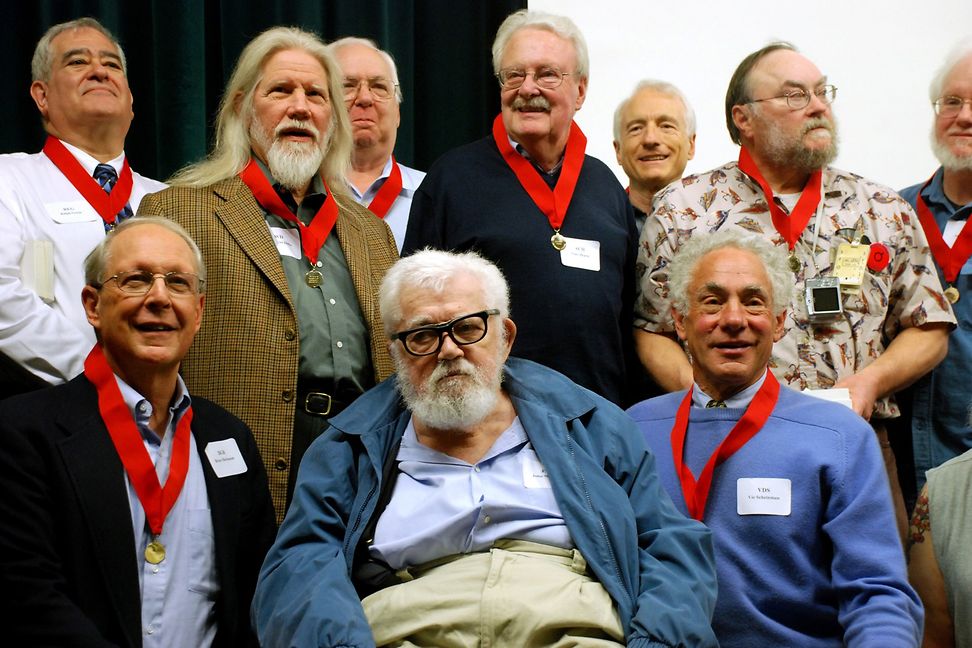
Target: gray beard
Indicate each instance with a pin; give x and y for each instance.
(450, 406)
(294, 165)
(789, 153)
(948, 159)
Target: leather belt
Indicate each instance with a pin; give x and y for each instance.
(324, 399)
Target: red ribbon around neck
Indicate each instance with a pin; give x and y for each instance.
(106, 204)
(949, 259)
(389, 191)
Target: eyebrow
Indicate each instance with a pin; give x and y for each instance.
(87, 52)
(800, 84)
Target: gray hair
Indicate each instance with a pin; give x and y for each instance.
(958, 53)
(97, 260)
(42, 62)
(686, 261)
(431, 269)
(738, 92)
(231, 151)
(334, 46)
(562, 26)
(662, 87)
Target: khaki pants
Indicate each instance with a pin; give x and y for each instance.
(518, 593)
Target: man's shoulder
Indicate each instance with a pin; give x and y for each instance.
(806, 410)
(411, 177)
(466, 158)
(24, 164)
(148, 185)
(657, 408)
(847, 182)
(67, 401)
(697, 183)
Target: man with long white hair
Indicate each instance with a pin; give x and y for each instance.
(292, 332)
(480, 499)
(940, 426)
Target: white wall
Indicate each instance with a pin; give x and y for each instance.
(881, 55)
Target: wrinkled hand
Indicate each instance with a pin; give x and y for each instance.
(863, 393)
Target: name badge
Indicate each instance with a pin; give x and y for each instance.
(762, 496)
(582, 254)
(225, 458)
(287, 241)
(76, 211)
(534, 474)
(850, 264)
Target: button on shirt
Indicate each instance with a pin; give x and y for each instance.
(442, 506)
(178, 594)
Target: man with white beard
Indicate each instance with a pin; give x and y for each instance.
(292, 331)
(868, 317)
(940, 401)
(479, 499)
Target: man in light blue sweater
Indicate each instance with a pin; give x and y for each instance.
(792, 486)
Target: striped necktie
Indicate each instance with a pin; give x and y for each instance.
(715, 403)
(106, 176)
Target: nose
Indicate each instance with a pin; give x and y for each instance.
(965, 113)
(364, 96)
(98, 69)
(298, 106)
(449, 350)
(158, 292)
(817, 105)
(649, 135)
(732, 315)
(529, 86)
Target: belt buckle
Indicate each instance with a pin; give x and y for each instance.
(311, 408)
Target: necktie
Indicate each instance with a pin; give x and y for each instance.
(715, 403)
(106, 176)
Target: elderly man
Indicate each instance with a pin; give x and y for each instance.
(654, 138)
(292, 333)
(479, 498)
(940, 424)
(868, 316)
(792, 486)
(555, 220)
(56, 205)
(132, 514)
(372, 95)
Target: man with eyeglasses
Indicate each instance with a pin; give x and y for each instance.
(133, 514)
(940, 401)
(57, 204)
(372, 95)
(555, 220)
(292, 332)
(868, 316)
(479, 499)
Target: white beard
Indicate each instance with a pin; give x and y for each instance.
(457, 403)
(948, 159)
(292, 164)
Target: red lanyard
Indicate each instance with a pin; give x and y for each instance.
(389, 191)
(552, 202)
(696, 493)
(949, 259)
(789, 227)
(106, 204)
(312, 236)
(156, 500)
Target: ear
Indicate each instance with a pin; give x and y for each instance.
(199, 313)
(90, 298)
(691, 151)
(38, 92)
(742, 117)
(237, 101)
(581, 93)
(510, 328)
(679, 323)
(778, 329)
(617, 151)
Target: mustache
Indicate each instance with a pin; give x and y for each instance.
(817, 122)
(456, 366)
(297, 124)
(538, 102)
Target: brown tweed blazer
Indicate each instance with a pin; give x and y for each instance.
(245, 355)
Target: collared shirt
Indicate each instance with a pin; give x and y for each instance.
(737, 400)
(333, 335)
(551, 176)
(178, 594)
(397, 216)
(46, 231)
(443, 506)
(814, 355)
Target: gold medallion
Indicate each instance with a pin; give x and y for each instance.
(314, 278)
(558, 241)
(155, 552)
(795, 264)
(952, 294)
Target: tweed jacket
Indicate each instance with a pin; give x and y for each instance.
(246, 353)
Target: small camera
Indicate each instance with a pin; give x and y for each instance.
(823, 298)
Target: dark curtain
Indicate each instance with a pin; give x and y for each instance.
(181, 52)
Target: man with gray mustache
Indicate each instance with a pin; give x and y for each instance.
(868, 315)
(555, 220)
(292, 332)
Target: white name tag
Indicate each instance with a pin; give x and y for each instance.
(534, 474)
(77, 211)
(225, 458)
(762, 496)
(582, 254)
(287, 241)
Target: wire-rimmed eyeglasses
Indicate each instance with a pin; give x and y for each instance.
(800, 98)
(546, 77)
(139, 282)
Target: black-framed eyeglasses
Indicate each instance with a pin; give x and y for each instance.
(465, 329)
(381, 89)
(139, 282)
(950, 105)
(800, 98)
(546, 77)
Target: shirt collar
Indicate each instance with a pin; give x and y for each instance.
(141, 408)
(519, 148)
(89, 163)
(934, 194)
(739, 400)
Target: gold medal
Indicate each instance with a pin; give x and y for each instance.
(314, 278)
(952, 294)
(558, 241)
(155, 552)
(795, 264)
